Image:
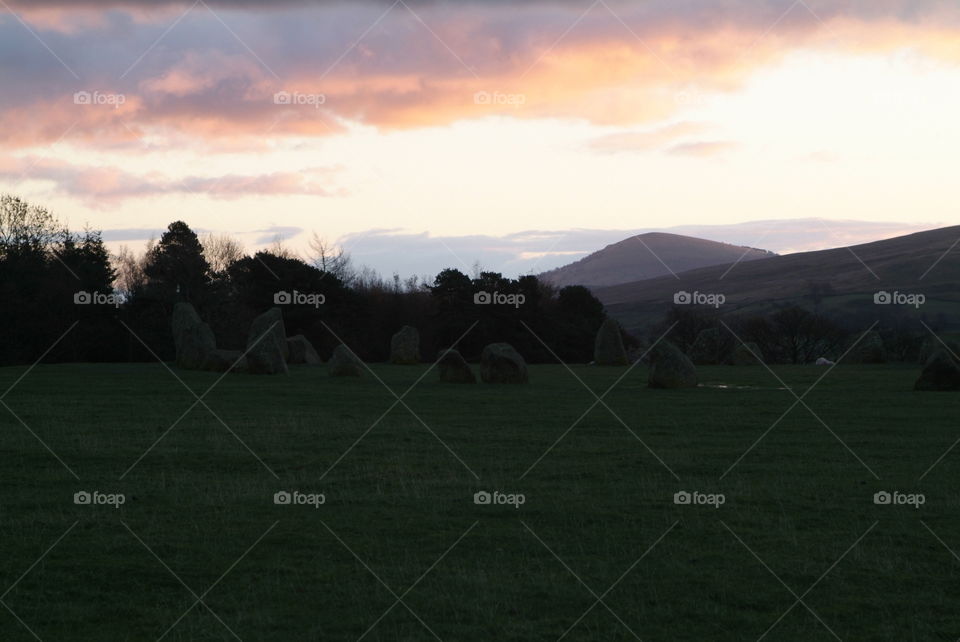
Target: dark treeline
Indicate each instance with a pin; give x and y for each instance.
(796, 335)
(51, 278)
(119, 309)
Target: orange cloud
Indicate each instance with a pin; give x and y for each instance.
(215, 85)
(108, 185)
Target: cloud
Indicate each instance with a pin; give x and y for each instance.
(276, 232)
(700, 148)
(102, 185)
(213, 75)
(633, 141)
(131, 234)
(536, 251)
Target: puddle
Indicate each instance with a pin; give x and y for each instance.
(726, 386)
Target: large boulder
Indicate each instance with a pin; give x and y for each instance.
(869, 350)
(301, 351)
(747, 354)
(940, 373)
(344, 363)
(454, 368)
(670, 368)
(933, 345)
(500, 363)
(270, 321)
(225, 361)
(405, 346)
(267, 349)
(608, 347)
(706, 349)
(192, 338)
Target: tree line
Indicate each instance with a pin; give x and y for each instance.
(118, 308)
(58, 283)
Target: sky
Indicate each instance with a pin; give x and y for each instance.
(519, 134)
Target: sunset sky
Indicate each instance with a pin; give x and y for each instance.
(461, 130)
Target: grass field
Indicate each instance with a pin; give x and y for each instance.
(599, 520)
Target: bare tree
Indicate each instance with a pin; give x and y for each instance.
(277, 248)
(129, 269)
(25, 225)
(329, 257)
(221, 251)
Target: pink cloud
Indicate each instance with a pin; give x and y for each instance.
(109, 185)
(212, 83)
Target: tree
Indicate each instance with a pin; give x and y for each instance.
(687, 323)
(44, 268)
(330, 258)
(25, 227)
(176, 269)
(576, 301)
(129, 270)
(221, 251)
(801, 336)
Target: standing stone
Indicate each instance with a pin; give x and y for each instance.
(869, 350)
(500, 363)
(267, 349)
(933, 345)
(706, 349)
(272, 321)
(608, 347)
(405, 346)
(940, 373)
(454, 368)
(343, 363)
(225, 361)
(670, 368)
(192, 338)
(301, 351)
(747, 354)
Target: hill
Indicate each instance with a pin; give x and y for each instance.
(841, 281)
(647, 256)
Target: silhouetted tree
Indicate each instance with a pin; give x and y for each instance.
(176, 269)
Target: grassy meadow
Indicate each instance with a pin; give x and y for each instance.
(400, 551)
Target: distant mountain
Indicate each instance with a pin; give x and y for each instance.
(647, 256)
(842, 282)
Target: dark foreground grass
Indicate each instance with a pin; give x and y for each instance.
(400, 551)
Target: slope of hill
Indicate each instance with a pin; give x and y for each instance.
(648, 256)
(842, 281)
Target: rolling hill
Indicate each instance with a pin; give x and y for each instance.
(648, 256)
(840, 282)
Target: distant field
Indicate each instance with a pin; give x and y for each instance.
(400, 509)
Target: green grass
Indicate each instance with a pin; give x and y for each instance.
(399, 500)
